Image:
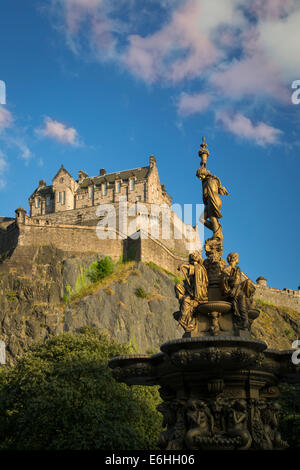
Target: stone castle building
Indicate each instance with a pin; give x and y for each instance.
(66, 193)
(65, 214)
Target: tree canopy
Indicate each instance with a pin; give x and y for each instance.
(61, 395)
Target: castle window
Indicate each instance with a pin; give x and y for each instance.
(118, 186)
(61, 180)
(131, 184)
(104, 189)
(48, 201)
(91, 192)
(58, 197)
(63, 200)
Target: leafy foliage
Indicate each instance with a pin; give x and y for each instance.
(100, 269)
(61, 395)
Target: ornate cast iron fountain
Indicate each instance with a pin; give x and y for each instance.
(218, 384)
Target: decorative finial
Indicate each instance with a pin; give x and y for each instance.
(203, 153)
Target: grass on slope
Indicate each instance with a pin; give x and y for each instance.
(120, 274)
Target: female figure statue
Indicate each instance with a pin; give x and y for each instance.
(212, 187)
(192, 292)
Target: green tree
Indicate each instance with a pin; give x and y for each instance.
(100, 269)
(61, 395)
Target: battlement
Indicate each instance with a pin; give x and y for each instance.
(281, 297)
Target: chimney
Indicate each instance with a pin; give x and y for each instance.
(42, 183)
(82, 175)
(152, 161)
(102, 172)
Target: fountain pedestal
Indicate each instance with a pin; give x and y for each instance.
(218, 392)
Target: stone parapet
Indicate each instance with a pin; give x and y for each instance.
(284, 298)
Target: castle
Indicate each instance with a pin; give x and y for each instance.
(66, 214)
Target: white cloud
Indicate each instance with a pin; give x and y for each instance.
(259, 133)
(236, 48)
(58, 131)
(279, 40)
(179, 50)
(6, 118)
(194, 37)
(193, 103)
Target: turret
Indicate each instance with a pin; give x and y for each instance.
(261, 281)
(20, 215)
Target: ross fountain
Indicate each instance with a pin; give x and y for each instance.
(218, 383)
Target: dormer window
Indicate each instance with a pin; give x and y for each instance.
(61, 180)
(131, 184)
(37, 203)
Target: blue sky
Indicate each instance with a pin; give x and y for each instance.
(98, 83)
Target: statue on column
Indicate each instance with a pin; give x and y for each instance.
(192, 292)
(212, 187)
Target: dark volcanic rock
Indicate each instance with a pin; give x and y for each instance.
(146, 322)
(136, 307)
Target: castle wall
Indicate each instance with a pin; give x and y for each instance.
(70, 239)
(8, 239)
(279, 297)
(153, 250)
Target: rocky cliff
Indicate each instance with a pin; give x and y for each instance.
(43, 292)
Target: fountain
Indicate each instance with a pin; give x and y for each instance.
(218, 383)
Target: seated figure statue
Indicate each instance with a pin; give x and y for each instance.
(192, 292)
(237, 291)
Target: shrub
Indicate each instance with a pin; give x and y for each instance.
(141, 293)
(100, 269)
